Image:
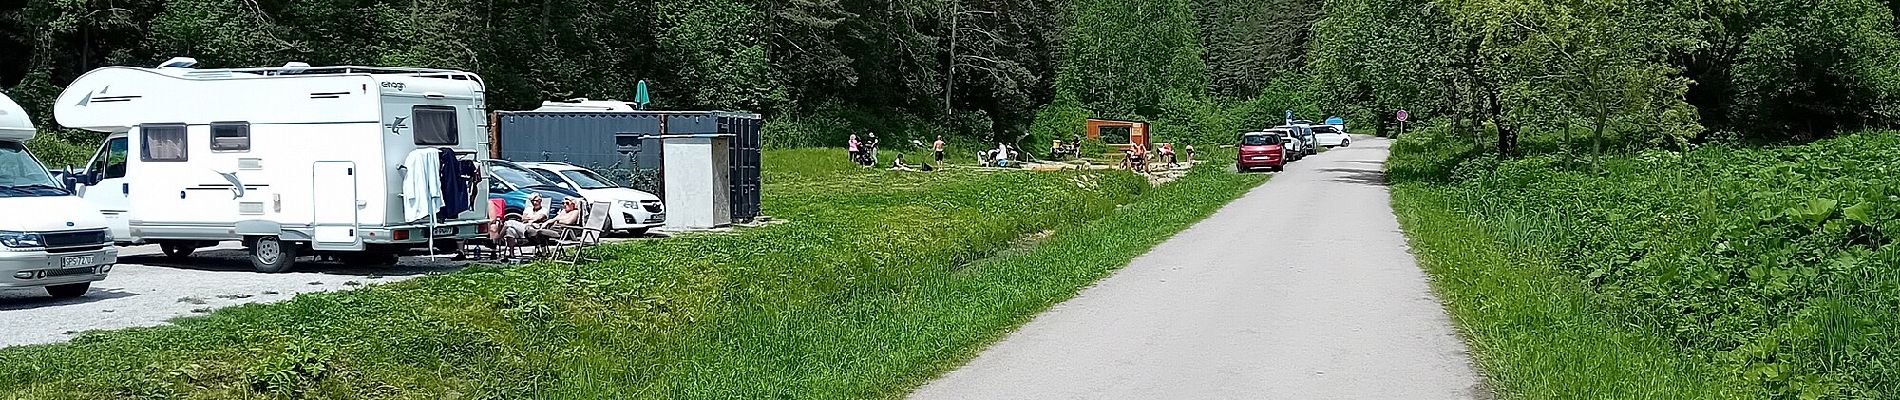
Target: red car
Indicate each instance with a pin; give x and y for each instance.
(1261, 150)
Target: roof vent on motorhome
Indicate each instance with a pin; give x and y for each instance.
(180, 62)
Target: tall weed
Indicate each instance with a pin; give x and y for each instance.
(1777, 265)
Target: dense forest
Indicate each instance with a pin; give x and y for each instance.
(1627, 72)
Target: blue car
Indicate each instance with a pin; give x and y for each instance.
(513, 184)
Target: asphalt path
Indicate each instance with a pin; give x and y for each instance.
(1302, 289)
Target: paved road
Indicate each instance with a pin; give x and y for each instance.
(1302, 289)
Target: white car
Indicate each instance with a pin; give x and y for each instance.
(1330, 136)
(1295, 148)
(633, 211)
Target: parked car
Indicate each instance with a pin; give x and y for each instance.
(1261, 150)
(53, 240)
(633, 211)
(1295, 148)
(513, 183)
(1330, 136)
(1304, 132)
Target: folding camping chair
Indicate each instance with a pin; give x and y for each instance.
(572, 245)
(507, 249)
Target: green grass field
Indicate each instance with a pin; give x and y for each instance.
(879, 281)
(1718, 273)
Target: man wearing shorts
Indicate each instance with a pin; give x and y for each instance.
(938, 147)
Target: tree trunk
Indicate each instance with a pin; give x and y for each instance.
(1596, 154)
(1569, 157)
(1507, 134)
(950, 73)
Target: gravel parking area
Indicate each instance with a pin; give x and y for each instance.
(148, 289)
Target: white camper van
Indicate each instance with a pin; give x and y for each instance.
(51, 238)
(356, 162)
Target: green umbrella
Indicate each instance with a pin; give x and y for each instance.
(640, 96)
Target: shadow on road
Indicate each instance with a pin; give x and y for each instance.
(25, 298)
(238, 260)
(1358, 175)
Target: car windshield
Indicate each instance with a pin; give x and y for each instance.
(1259, 140)
(23, 176)
(518, 176)
(588, 179)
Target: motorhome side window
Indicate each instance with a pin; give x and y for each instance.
(435, 126)
(161, 143)
(230, 136)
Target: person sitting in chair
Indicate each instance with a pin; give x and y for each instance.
(536, 210)
(535, 214)
(498, 221)
(569, 215)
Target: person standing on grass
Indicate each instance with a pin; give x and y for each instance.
(871, 149)
(938, 147)
(851, 145)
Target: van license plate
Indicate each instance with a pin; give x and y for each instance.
(445, 231)
(76, 261)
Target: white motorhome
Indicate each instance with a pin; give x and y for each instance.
(52, 239)
(288, 160)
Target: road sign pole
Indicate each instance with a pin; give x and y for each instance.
(1402, 116)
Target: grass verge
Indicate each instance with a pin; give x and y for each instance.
(1532, 328)
(1722, 272)
(880, 281)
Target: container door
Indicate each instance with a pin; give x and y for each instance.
(109, 189)
(334, 199)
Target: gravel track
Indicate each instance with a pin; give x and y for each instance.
(1302, 289)
(147, 289)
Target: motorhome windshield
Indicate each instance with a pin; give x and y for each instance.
(1262, 139)
(588, 179)
(518, 176)
(23, 176)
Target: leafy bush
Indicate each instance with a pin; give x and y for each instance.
(1778, 265)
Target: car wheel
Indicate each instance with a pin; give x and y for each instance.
(269, 255)
(69, 290)
(177, 250)
(1345, 143)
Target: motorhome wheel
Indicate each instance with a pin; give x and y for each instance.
(68, 291)
(270, 255)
